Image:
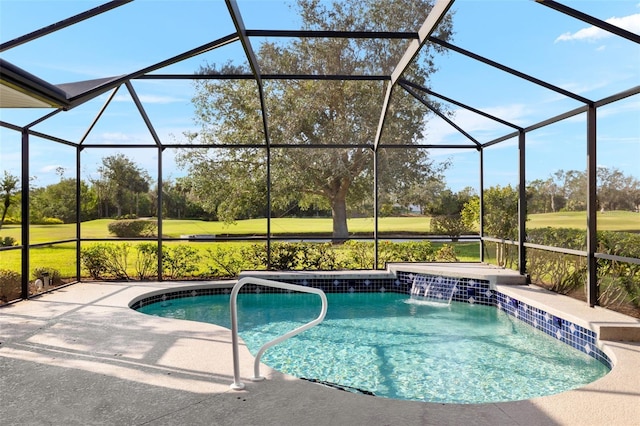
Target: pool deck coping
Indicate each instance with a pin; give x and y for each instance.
(80, 355)
(494, 274)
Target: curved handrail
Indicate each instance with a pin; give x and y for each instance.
(237, 384)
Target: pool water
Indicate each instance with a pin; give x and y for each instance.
(380, 343)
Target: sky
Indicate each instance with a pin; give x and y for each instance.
(520, 34)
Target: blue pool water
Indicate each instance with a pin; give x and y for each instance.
(380, 343)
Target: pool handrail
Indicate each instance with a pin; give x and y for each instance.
(237, 384)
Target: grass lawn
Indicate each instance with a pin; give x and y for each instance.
(610, 221)
(606, 221)
(62, 256)
(282, 226)
(174, 228)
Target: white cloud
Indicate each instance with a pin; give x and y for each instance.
(630, 23)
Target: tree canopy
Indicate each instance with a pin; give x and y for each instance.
(567, 191)
(9, 187)
(121, 181)
(320, 133)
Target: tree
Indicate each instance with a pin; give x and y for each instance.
(447, 213)
(573, 184)
(8, 189)
(58, 200)
(175, 200)
(121, 182)
(500, 217)
(617, 191)
(543, 196)
(423, 194)
(568, 191)
(318, 113)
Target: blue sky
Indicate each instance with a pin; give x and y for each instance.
(520, 34)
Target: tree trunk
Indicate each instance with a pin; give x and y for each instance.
(4, 215)
(7, 203)
(339, 215)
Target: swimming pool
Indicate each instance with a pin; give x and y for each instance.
(377, 342)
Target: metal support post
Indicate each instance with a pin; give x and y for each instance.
(592, 208)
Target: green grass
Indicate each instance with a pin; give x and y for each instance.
(283, 226)
(607, 221)
(173, 228)
(62, 256)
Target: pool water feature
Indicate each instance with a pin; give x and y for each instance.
(376, 342)
(433, 289)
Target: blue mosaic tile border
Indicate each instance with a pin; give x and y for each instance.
(179, 294)
(567, 332)
(345, 285)
(467, 290)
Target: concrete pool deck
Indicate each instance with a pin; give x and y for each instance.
(80, 355)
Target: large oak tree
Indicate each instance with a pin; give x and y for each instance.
(325, 117)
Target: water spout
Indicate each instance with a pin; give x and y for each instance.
(433, 289)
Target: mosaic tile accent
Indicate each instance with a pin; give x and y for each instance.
(180, 294)
(567, 332)
(347, 285)
(467, 290)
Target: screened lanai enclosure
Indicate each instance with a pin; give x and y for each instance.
(141, 136)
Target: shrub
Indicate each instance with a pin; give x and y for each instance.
(284, 256)
(8, 242)
(131, 228)
(451, 225)
(290, 256)
(561, 273)
(419, 251)
(127, 216)
(570, 238)
(93, 260)
(106, 260)
(619, 282)
(317, 256)
(47, 221)
(410, 251)
(10, 285)
(255, 256)
(225, 262)
(446, 253)
(178, 261)
(146, 260)
(359, 254)
(12, 220)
